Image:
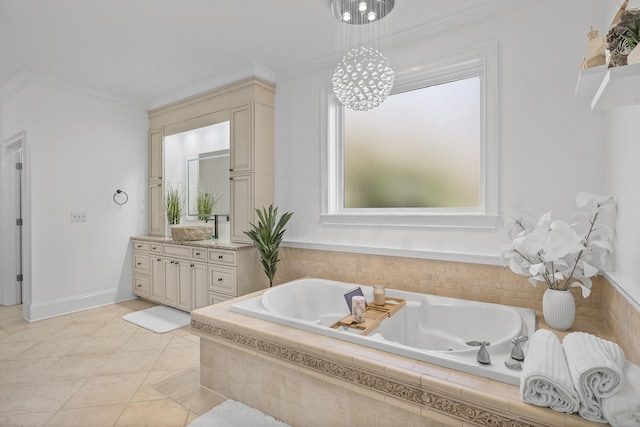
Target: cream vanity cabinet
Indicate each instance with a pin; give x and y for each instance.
(248, 105)
(188, 277)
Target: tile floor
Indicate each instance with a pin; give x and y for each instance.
(94, 369)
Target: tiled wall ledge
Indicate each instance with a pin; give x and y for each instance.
(307, 379)
(604, 308)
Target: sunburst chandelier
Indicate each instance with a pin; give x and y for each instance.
(363, 78)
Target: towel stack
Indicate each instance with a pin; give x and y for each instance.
(584, 374)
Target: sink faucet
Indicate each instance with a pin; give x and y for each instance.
(483, 354)
(215, 217)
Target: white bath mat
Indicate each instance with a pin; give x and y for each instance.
(231, 413)
(159, 319)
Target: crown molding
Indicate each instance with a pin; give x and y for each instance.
(24, 79)
(240, 73)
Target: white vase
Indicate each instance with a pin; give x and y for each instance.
(559, 309)
(634, 56)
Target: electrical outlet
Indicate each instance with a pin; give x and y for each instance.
(78, 216)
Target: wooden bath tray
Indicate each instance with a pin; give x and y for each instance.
(373, 316)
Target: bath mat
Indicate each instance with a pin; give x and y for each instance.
(159, 319)
(231, 413)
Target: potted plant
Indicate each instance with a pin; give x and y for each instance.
(206, 201)
(563, 255)
(173, 203)
(267, 236)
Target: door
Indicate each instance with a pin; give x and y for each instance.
(12, 221)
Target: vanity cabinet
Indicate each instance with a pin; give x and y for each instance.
(190, 276)
(249, 107)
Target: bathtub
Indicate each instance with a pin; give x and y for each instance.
(429, 328)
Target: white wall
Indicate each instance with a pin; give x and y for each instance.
(551, 144)
(81, 149)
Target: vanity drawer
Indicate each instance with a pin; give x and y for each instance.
(177, 251)
(155, 247)
(141, 285)
(216, 298)
(222, 279)
(140, 246)
(141, 263)
(222, 257)
(199, 254)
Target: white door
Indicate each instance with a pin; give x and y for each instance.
(12, 220)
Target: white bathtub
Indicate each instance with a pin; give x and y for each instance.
(429, 328)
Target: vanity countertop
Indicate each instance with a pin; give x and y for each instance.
(209, 243)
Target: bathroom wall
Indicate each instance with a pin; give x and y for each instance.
(551, 144)
(81, 147)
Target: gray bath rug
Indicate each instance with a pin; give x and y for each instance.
(231, 413)
(159, 319)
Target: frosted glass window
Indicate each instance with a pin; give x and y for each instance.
(419, 149)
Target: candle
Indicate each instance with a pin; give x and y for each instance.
(358, 307)
(378, 295)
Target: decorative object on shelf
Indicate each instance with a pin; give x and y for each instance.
(596, 53)
(363, 78)
(173, 203)
(619, 35)
(120, 197)
(633, 40)
(563, 255)
(206, 201)
(267, 236)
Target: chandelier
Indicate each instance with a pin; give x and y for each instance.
(363, 78)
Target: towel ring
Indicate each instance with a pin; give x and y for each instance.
(118, 198)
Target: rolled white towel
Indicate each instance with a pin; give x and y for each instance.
(545, 379)
(596, 367)
(623, 408)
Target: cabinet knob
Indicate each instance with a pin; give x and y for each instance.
(219, 279)
(197, 253)
(138, 263)
(159, 259)
(231, 170)
(220, 257)
(139, 286)
(177, 263)
(230, 178)
(139, 246)
(193, 265)
(172, 261)
(159, 185)
(154, 247)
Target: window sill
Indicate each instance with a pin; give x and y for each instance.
(448, 221)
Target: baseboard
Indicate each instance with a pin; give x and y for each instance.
(54, 308)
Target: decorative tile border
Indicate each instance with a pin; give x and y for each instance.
(417, 396)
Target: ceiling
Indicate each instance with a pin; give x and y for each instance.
(150, 50)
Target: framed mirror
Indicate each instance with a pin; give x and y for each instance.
(208, 172)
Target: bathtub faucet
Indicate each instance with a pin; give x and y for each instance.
(516, 351)
(483, 354)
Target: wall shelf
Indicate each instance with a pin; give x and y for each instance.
(610, 88)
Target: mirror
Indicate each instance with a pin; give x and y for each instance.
(207, 172)
(199, 159)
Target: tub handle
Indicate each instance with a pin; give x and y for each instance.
(483, 355)
(516, 351)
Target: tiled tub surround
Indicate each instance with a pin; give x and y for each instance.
(604, 310)
(308, 379)
(430, 328)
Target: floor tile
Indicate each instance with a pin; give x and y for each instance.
(178, 358)
(129, 362)
(73, 367)
(99, 346)
(33, 419)
(106, 390)
(147, 342)
(157, 413)
(201, 400)
(41, 397)
(100, 416)
(180, 384)
(9, 351)
(23, 371)
(53, 348)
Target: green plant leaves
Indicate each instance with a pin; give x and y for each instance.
(267, 236)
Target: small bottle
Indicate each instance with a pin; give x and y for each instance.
(378, 295)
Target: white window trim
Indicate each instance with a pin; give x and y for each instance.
(481, 60)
